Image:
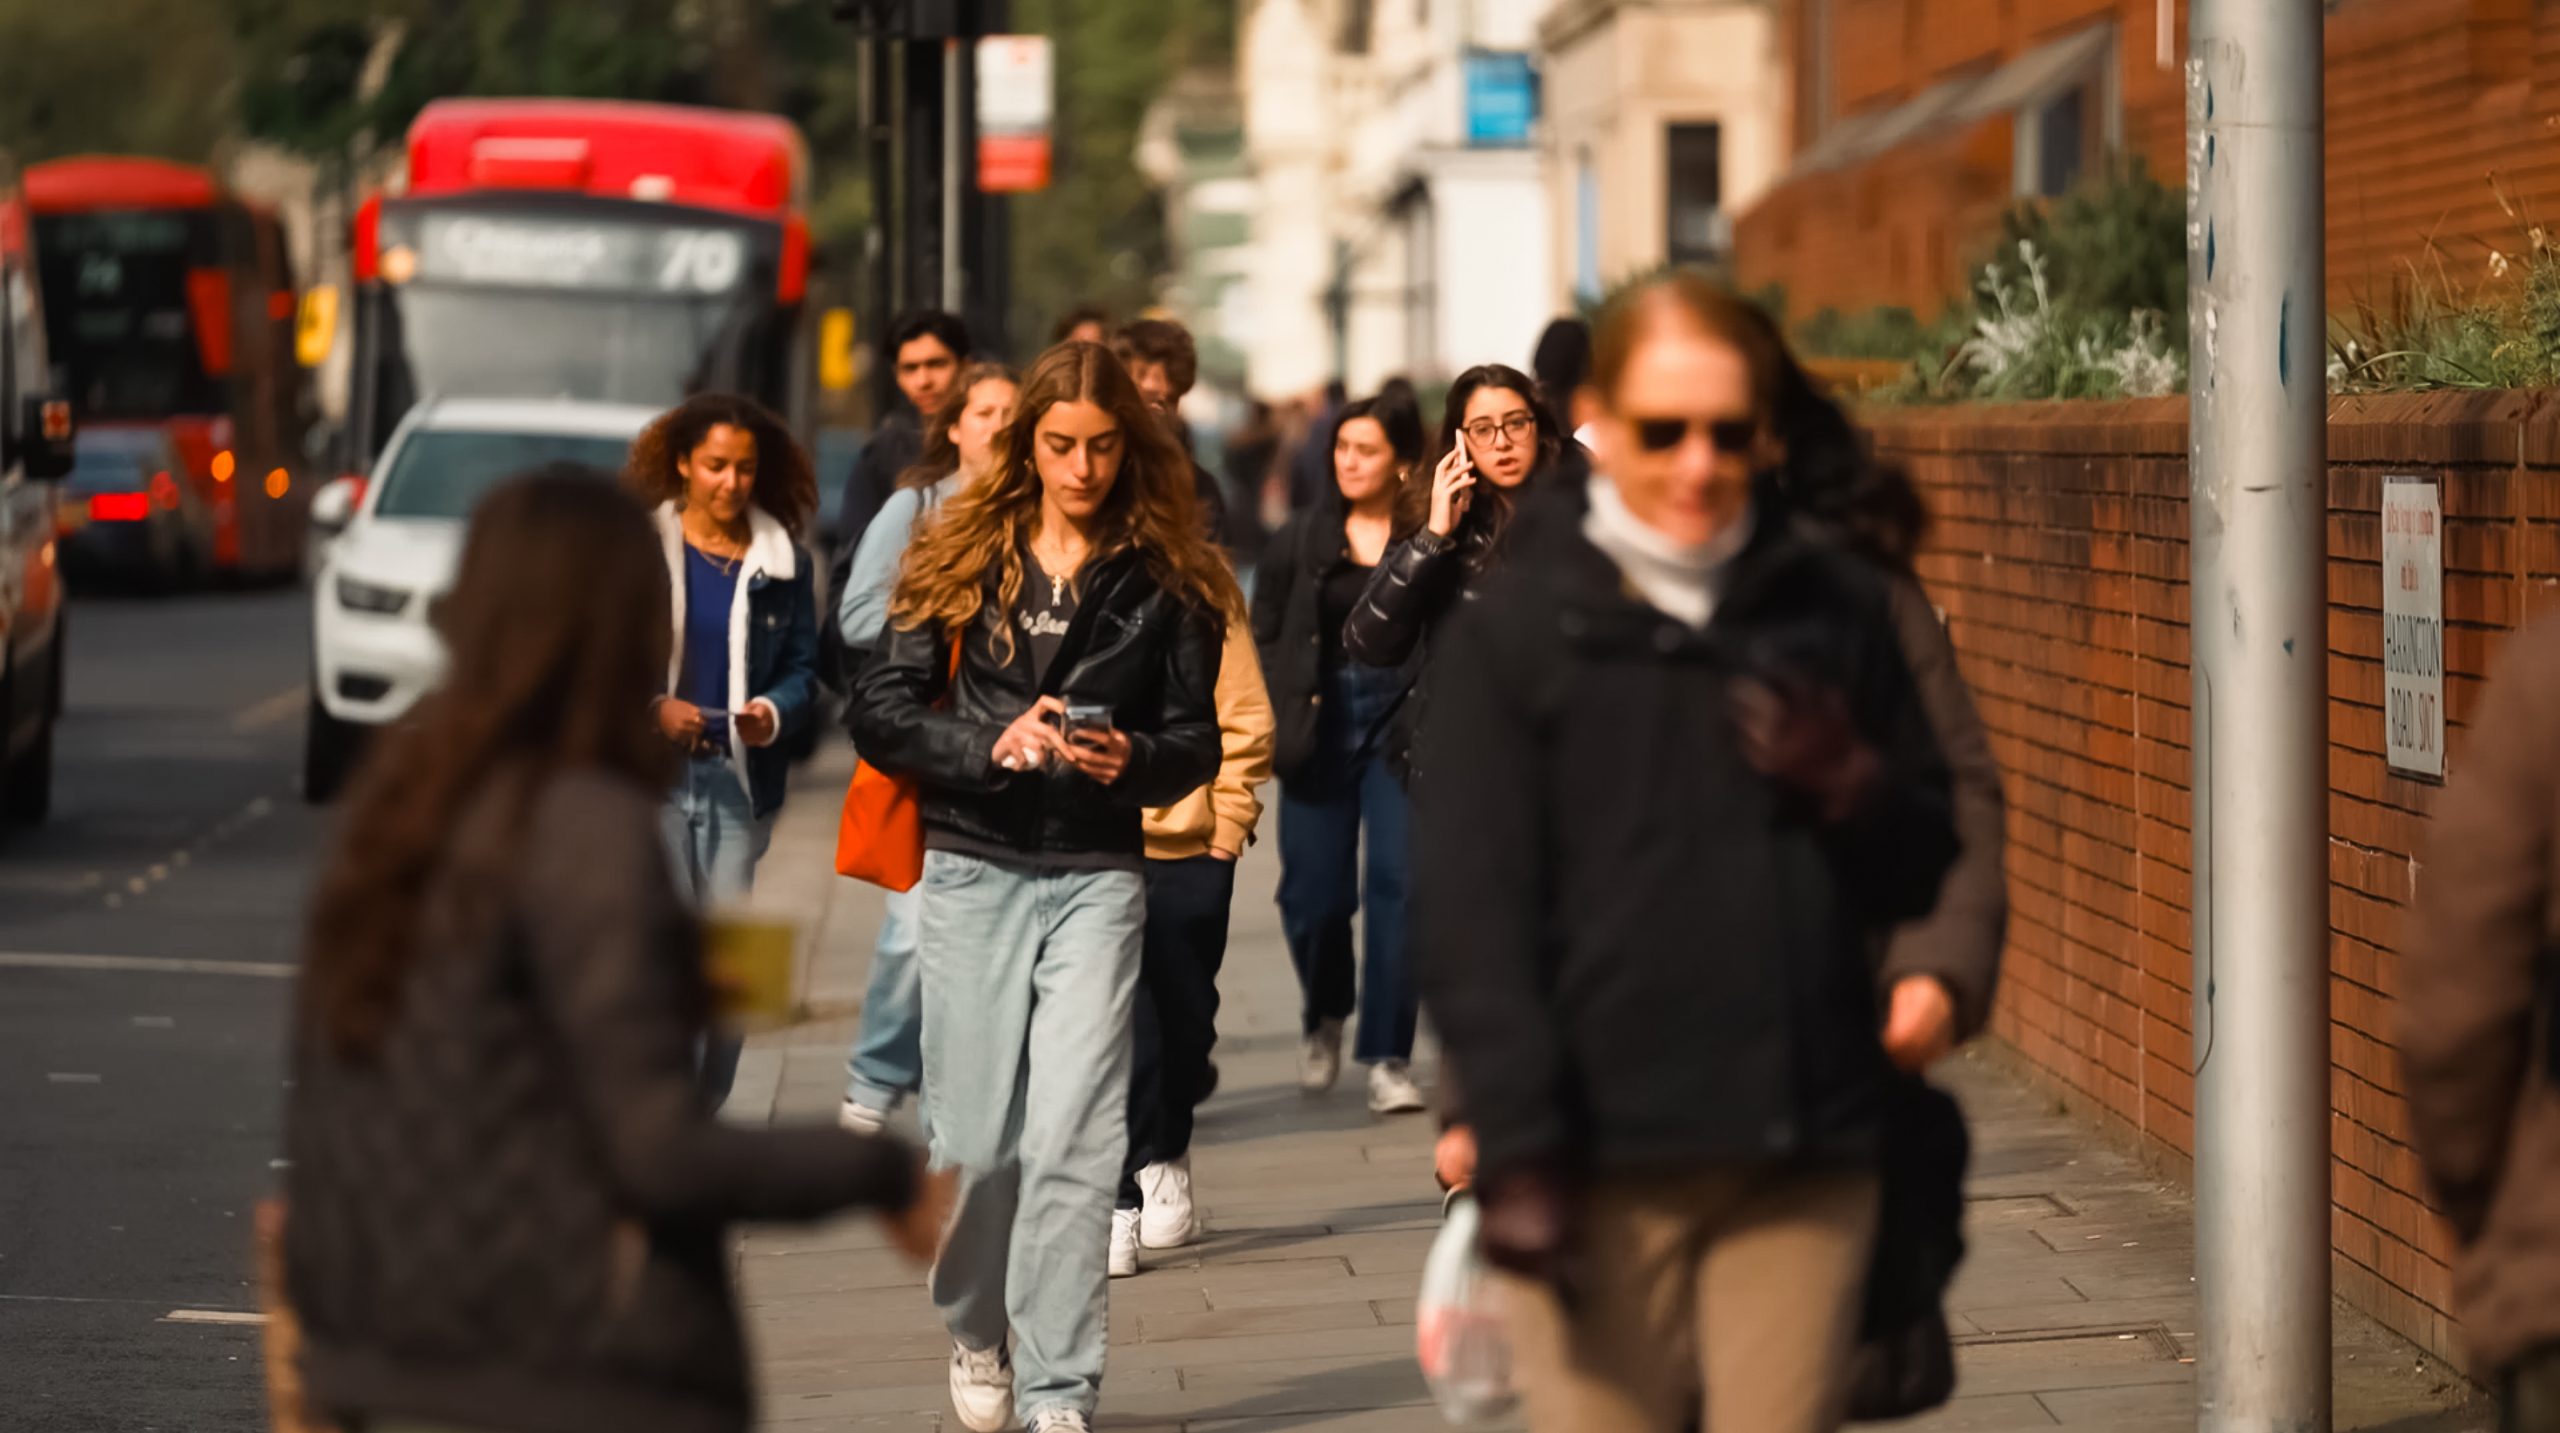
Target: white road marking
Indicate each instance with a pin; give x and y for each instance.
(212, 1316)
(270, 711)
(144, 965)
(67, 1077)
(154, 1022)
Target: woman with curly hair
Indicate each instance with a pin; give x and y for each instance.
(731, 492)
(1086, 608)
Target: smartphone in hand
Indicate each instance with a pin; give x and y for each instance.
(715, 729)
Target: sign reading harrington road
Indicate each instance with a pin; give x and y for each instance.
(2413, 625)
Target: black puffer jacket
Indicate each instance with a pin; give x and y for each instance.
(1643, 953)
(1288, 608)
(1418, 583)
(1132, 647)
(513, 1214)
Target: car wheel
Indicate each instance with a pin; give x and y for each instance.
(26, 784)
(329, 751)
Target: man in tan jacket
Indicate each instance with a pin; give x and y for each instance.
(2478, 1037)
(1192, 849)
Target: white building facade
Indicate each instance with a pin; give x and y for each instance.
(1664, 119)
(1402, 220)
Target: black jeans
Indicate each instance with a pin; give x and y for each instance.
(2531, 1393)
(1176, 1018)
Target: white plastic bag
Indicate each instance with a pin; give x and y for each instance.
(1459, 1334)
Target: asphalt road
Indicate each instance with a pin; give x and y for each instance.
(146, 933)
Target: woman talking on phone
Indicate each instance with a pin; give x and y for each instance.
(1335, 720)
(731, 491)
(1086, 608)
(1495, 438)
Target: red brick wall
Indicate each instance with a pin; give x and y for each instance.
(2427, 101)
(2061, 559)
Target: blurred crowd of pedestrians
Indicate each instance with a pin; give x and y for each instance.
(1613, 735)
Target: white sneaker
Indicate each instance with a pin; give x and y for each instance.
(982, 1387)
(1169, 1221)
(1320, 1059)
(861, 1118)
(1392, 1090)
(1124, 1243)
(1060, 1420)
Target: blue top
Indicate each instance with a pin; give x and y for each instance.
(702, 675)
(873, 580)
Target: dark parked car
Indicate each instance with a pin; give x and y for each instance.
(128, 517)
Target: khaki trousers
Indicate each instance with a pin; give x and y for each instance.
(1748, 1281)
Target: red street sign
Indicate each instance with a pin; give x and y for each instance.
(1012, 163)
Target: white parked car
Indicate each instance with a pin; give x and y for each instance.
(396, 541)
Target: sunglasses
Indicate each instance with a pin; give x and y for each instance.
(1729, 436)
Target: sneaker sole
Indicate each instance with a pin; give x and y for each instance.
(1150, 1239)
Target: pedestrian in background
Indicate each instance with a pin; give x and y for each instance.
(1562, 366)
(507, 1200)
(1336, 718)
(1192, 849)
(925, 350)
(1680, 786)
(1086, 608)
(1495, 436)
(1085, 323)
(886, 1064)
(2479, 1037)
(1164, 362)
(731, 491)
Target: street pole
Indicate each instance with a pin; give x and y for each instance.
(954, 290)
(2257, 511)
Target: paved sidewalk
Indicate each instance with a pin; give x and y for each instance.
(2075, 1309)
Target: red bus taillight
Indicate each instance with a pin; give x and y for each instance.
(364, 245)
(119, 507)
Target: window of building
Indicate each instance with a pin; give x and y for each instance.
(2062, 141)
(1698, 231)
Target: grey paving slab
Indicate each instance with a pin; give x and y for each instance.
(1295, 1310)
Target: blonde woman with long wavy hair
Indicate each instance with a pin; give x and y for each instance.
(1088, 611)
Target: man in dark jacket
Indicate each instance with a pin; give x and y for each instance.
(2478, 1038)
(1682, 783)
(925, 351)
(1164, 363)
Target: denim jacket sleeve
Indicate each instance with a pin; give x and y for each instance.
(791, 682)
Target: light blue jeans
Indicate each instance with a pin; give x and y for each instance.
(714, 839)
(1029, 973)
(887, 1061)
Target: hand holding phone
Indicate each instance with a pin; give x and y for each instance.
(1091, 743)
(715, 730)
(1449, 484)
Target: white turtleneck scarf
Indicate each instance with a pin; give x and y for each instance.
(1678, 579)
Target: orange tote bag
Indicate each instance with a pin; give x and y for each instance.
(880, 836)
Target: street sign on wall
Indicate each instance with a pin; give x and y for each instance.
(1502, 99)
(1014, 106)
(2413, 626)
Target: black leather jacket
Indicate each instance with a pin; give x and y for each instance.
(1132, 647)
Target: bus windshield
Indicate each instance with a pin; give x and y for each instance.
(115, 284)
(458, 342)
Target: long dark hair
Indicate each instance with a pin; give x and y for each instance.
(1488, 507)
(557, 631)
(1831, 474)
(786, 482)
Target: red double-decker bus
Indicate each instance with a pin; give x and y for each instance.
(169, 303)
(601, 251)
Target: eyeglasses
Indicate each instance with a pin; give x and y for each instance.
(1729, 436)
(1513, 427)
